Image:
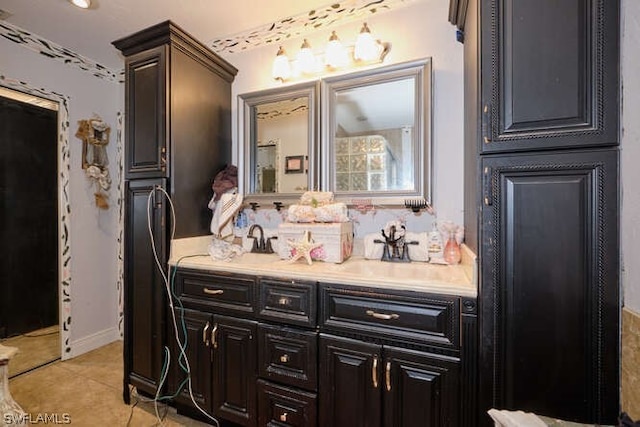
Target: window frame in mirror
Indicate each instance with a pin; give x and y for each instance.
(420, 71)
(247, 149)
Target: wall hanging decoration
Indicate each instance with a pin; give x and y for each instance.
(94, 134)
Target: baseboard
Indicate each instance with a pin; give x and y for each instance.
(91, 342)
(630, 363)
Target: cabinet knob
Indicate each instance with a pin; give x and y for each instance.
(283, 417)
(284, 358)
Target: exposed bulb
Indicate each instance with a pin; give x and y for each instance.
(306, 58)
(83, 4)
(281, 69)
(336, 55)
(366, 49)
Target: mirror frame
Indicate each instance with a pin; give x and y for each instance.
(420, 71)
(247, 148)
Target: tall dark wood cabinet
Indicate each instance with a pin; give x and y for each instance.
(542, 202)
(178, 136)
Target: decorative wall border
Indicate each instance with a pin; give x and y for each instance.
(57, 52)
(120, 230)
(304, 23)
(64, 206)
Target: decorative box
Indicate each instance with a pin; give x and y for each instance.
(336, 239)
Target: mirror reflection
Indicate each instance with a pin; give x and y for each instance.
(376, 132)
(374, 137)
(278, 138)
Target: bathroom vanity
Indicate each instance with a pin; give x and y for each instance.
(362, 343)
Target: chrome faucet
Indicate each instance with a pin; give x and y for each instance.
(260, 244)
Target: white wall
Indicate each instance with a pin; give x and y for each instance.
(93, 231)
(630, 154)
(415, 31)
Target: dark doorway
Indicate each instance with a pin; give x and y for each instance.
(28, 217)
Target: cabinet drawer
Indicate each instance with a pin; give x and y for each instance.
(282, 406)
(292, 301)
(226, 293)
(413, 317)
(288, 356)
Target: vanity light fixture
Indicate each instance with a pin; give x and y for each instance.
(336, 55)
(306, 59)
(83, 4)
(281, 69)
(365, 51)
(367, 48)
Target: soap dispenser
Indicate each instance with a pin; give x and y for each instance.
(435, 246)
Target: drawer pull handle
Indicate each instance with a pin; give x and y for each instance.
(284, 358)
(374, 372)
(382, 315)
(388, 376)
(213, 291)
(214, 336)
(284, 301)
(205, 335)
(283, 417)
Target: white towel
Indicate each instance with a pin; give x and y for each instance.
(223, 211)
(515, 419)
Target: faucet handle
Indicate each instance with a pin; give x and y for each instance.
(269, 247)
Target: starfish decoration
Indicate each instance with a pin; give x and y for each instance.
(303, 247)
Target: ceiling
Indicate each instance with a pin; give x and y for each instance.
(90, 32)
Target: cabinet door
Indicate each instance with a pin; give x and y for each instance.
(420, 389)
(194, 328)
(550, 285)
(235, 370)
(550, 72)
(145, 299)
(146, 93)
(350, 383)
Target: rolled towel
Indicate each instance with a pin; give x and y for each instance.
(333, 212)
(300, 213)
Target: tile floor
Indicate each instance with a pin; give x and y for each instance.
(89, 389)
(35, 349)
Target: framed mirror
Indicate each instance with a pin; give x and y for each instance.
(376, 134)
(278, 129)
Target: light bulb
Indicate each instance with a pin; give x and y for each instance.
(367, 49)
(281, 69)
(306, 58)
(336, 54)
(84, 4)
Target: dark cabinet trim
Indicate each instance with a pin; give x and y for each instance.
(589, 288)
(581, 102)
(168, 32)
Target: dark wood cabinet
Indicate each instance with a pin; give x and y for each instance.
(365, 384)
(351, 378)
(235, 369)
(285, 406)
(146, 87)
(549, 73)
(421, 389)
(541, 202)
(194, 330)
(178, 136)
(144, 297)
(550, 284)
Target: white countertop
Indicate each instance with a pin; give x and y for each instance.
(457, 280)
